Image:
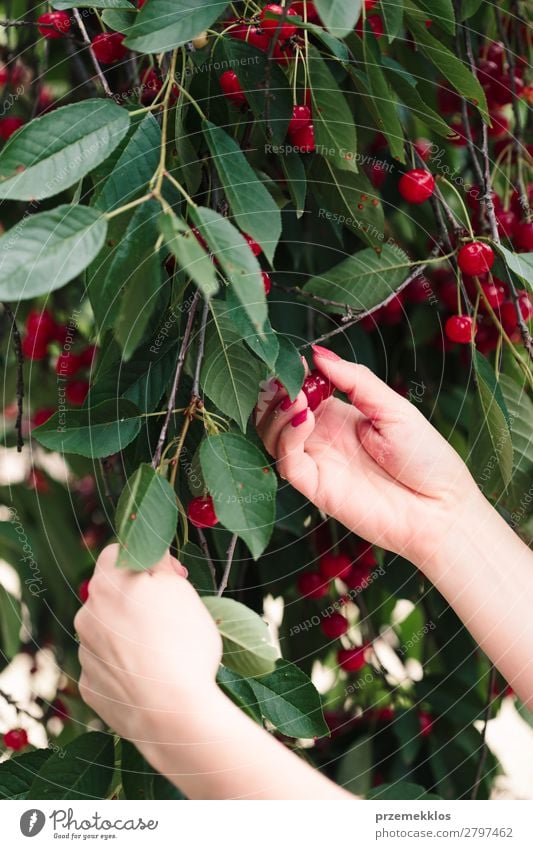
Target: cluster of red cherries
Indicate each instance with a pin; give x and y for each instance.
(41, 331)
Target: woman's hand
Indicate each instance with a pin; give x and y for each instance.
(149, 650)
(375, 464)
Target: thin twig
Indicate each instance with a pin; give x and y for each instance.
(173, 392)
(486, 718)
(201, 347)
(227, 568)
(205, 548)
(96, 63)
(20, 375)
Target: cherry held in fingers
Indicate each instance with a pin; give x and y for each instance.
(201, 512)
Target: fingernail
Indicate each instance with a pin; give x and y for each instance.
(324, 352)
(299, 418)
(286, 403)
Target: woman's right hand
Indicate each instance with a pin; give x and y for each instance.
(374, 464)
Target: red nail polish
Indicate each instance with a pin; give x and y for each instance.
(299, 418)
(286, 403)
(325, 353)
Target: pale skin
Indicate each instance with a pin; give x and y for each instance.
(149, 650)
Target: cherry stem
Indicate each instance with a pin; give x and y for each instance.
(462, 203)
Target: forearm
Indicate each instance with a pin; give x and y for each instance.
(216, 752)
(485, 572)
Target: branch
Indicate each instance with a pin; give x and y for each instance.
(227, 568)
(87, 41)
(173, 392)
(483, 749)
(201, 347)
(20, 375)
(205, 548)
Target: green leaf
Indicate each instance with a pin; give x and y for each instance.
(385, 103)
(45, 251)
(289, 367)
(10, 623)
(417, 106)
(469, 8)
(401, 790)
(348, 199)
(142, 284)
(246, 644)
(295, 175)
(53, 152)
(290, 701)
(266, 345)
(452, 68)
(355, 769)
(17, 774)
(251, 205)
(491, 457)
(237, 261)
(142, 380)
(440, 11)
(339, 16)
(253, 70)
(133, 169)
(519, 264)
(200, 575)
(230, 375)
(361, 281)
(94, 432)
(392, 14)
(243, 487)
(335, 133)
(239, 691)
(163, 25)
(82, 770)
(189, 253)
(520, 408)
(145, 520)
(140, 780)
(94, 4)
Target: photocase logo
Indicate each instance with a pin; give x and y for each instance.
(32, 822)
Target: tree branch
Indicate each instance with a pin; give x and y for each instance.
(20, 375)
(227, 568)
(96, 63)
(201, 347)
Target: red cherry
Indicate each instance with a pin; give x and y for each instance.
(378, 174)
(417, 186)
(255, 248)
(426, 723)
(16, 739)
(357, 578)
(507, 222)
(108, 47)
(270, 24)
(495, 293)
(8, 126)
(34, 348)
(76, 392)
(267, 282)
(283, 53)
(40, 324)
(500, 125)
(458, 328)
(232, 89)
(496, 54)
(301, 117)
(500, 91)
(352, 660)
(59, 710)
(369, 4)
(475, 258)
(312, 585)
(68, 365)
(523, 236)
(375, 22)
(199, 238)
(326, 388)
(151, 85)
(304, 138)
(486, 337)
(302, 7)
(83, 590)
(334, 626)
(60, 21)
(333, 565)
(423, 147)
(448, 100)
(201, 512)
(458, 137)
(37, 480)
(41, 416)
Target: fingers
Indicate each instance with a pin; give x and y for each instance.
(169, 564)
(365, 390)
(270, 396)
(273, 423)
(293, 463)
